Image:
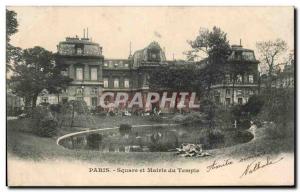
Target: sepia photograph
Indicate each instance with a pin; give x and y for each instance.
(188, 96)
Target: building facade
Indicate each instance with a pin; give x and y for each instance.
(241, 78)
(94, 75)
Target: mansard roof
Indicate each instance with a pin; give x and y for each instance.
(240, 54)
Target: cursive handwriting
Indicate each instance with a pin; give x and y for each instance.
(257, 165)
(216, 165)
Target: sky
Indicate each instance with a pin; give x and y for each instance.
(115, 27)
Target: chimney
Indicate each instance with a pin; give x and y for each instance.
(87, 32)
(130, 48)
(83, 33)
(240, 42)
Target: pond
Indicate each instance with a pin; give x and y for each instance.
(156, 138)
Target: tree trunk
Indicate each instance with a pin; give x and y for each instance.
(34, 99)
(57, 98)
(72, 118)
(233, 88)
(27, 102)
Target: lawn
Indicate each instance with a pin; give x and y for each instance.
(23, 144)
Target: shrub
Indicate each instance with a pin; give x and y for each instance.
(93, 140)
(44, 123)
(155, 118)
(55, 108)
(191, 118)
(125, 129)
(254, 105)
(178, 118)
(215, 136)
(79, 106)
(280, 110)
(280, 130)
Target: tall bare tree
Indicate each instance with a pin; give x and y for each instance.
(269, 55)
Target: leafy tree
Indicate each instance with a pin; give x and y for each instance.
(214, 49)
(11, 24)
(35, 72)
(175, 78)
(11, 28)
(214, 46)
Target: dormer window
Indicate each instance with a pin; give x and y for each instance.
(110, 63)
(79, 73)
(239, 78)
(79, 51)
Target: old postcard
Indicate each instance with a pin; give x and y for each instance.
(150, 96)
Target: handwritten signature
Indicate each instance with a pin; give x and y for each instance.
(217, 165)
(258, 165)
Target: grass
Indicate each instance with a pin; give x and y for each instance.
(23, 144)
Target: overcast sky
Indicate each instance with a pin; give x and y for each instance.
(114, 27)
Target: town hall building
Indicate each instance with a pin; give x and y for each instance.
(93, 74)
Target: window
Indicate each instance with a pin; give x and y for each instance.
(64, 100)
(227, 91)
(126, 83)
(110, 63)
(79, 90)
(227, 101)
(94, 91)
(44, 99)
(105, 64)
(126, 65)
(65, 72)
(116, 64)
(146, 79)
(239, 92)
(248, 55)
(251, 79)
(79, 73)
(240, 101)
(105, 82)
(251, 92)
(79, 51)
(94, 73)
(65, 90)
(94, 101)
(227, 78)
(79, 98)
(239, 79)
(121, 63)
(116, 83)
(217, 99)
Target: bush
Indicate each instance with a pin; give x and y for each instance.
(280, 111)
(191, 118)
(93, 140)
(215, 137)
(125, 129)
(44, 123)
(55, 108)
(79, 106)
(155, 118)
(254, 105)
(178, 118)
(278, 131)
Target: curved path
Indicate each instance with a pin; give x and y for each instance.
(102, 129)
